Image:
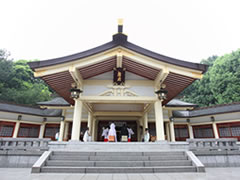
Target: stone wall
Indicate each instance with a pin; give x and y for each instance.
(219, 159)
(18, 159)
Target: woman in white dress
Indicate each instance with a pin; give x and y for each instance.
(112, 132)
(105, 134)
(130, 133)
(87, 137)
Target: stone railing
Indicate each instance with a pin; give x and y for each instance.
(24, 144)
(222, 144)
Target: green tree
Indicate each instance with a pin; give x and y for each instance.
(225, 78)
(18, 84)
(200, 92)
(220, 84)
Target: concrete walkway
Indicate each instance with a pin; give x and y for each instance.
(211, 174)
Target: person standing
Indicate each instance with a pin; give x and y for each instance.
(87, 136)
(146, 135)
(124, 133)
(130, 133)
(105, 134)
(57, 136)
(112, 135)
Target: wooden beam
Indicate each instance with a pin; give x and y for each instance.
(86, 105)
(119, 59)
(161, 77)
(118, 99)
(148, 108)
(117, 113)
(76, 76)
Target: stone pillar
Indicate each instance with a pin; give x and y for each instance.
(77, 116)
(172, 132)
(159, 120)
(89, 125)
(42, 129)
(215, 131)
(145, 121)
(168, 132)
(61, 131)
(138, 129)
(190, 131)
(65, 136)
(16, 129)
(93, 129)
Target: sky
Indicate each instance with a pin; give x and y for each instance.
(189, 30)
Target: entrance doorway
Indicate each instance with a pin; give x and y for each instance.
(119, 124)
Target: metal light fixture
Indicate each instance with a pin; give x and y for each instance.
(162, 93)
(75, 92)
(19, 117)
(212, 118)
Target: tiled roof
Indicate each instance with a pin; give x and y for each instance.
(58, 101)
(23, 109)
(211, 110)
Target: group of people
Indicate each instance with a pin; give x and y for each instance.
(110, 135)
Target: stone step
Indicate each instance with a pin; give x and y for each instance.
(117, 158)
(172, 169)
(118, 163)
(76, 153)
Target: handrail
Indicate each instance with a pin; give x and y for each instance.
(25, 144)
(213, 144)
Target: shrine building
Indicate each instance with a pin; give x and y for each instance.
(122, 83)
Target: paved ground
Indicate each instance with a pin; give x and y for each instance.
(211, 174)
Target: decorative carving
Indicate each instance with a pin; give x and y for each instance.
(118, 91)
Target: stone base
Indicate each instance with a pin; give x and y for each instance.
(111, 146)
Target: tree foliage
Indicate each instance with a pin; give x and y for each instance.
(220, 84)
(17, 83)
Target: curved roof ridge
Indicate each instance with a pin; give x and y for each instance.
(72, 57)
(164, 58)
(119, 39)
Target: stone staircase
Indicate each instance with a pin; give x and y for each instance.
(116, 162)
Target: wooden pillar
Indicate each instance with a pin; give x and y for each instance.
(145, 121)
(172, 132)
(190, 131)
(77, 116)
(65, 136)
(215, 130)
(89, 125)
(93, 129)
(61, 131)
(159, 120)
(42, 129)
(168, 132)
(16, 129)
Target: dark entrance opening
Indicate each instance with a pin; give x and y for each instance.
(119, 124)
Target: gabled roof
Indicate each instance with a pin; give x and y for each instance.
(119, 39)
(212, 110)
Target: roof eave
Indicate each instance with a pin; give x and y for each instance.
(119, 39)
